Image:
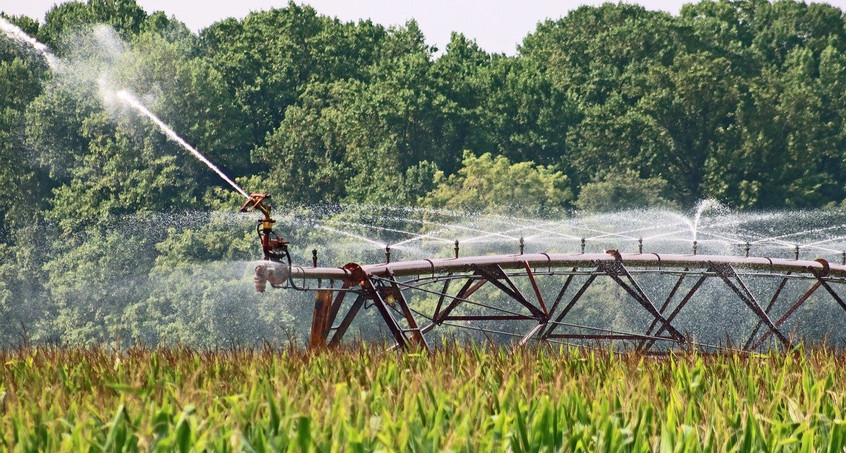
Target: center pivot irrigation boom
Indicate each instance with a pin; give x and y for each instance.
(538, 297)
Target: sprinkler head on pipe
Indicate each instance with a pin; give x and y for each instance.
(796, 252)
(387, 254)
(747, 248)
(695, 246)
(522, 245)
(456, 249)
(640, 245)
(314, 258)
(260, 279)
(583, 246)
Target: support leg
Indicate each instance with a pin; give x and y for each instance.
(320, 322)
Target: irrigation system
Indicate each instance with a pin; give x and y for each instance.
(535, 297)
(652, 302)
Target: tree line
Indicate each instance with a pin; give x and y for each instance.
(608, 107)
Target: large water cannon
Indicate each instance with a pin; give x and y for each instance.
(277, 270)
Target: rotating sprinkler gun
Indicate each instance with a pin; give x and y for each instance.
(277, 268)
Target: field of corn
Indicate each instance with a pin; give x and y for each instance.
(463, 398)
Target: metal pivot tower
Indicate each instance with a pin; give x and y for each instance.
(538, 298)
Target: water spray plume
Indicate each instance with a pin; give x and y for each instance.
(15, 33)
(128, 98)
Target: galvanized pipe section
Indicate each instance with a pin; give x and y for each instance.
(543, 260)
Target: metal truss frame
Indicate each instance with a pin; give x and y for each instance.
(392, 288)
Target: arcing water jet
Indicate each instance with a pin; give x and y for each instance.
(15, 33)
(130, 100)
(274, 247)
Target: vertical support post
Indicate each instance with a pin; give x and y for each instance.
(320, 322)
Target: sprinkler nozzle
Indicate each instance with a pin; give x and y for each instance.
(695, 246)
(796, 252)
(456, 249)
(269, 272)
(583, 246)
(387, 254)
(314, 258)
(260, 279)
(747, 248)
(639, 245)
(522, 245)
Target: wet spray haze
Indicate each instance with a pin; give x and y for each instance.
(99, 63)
(164, 288)
(98, 72)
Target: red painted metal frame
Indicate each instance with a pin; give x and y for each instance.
(385, 286)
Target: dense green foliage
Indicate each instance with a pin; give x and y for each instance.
(460, 399)
(607, 107)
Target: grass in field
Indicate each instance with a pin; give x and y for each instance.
(464, 398)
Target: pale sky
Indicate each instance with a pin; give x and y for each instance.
(496, 25)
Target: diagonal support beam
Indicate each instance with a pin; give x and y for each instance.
(528, 336)
(677, 310)
(347, 321)
(569, 306)
(443, 296)
(416, 333)
(830, 290)
(558, 301)
(787, 314)
(382, 307)
(726, 273)
(336, 306)
(466, 291)
(768, 310)
(497, 276)
(637, 293)
(667, 301)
